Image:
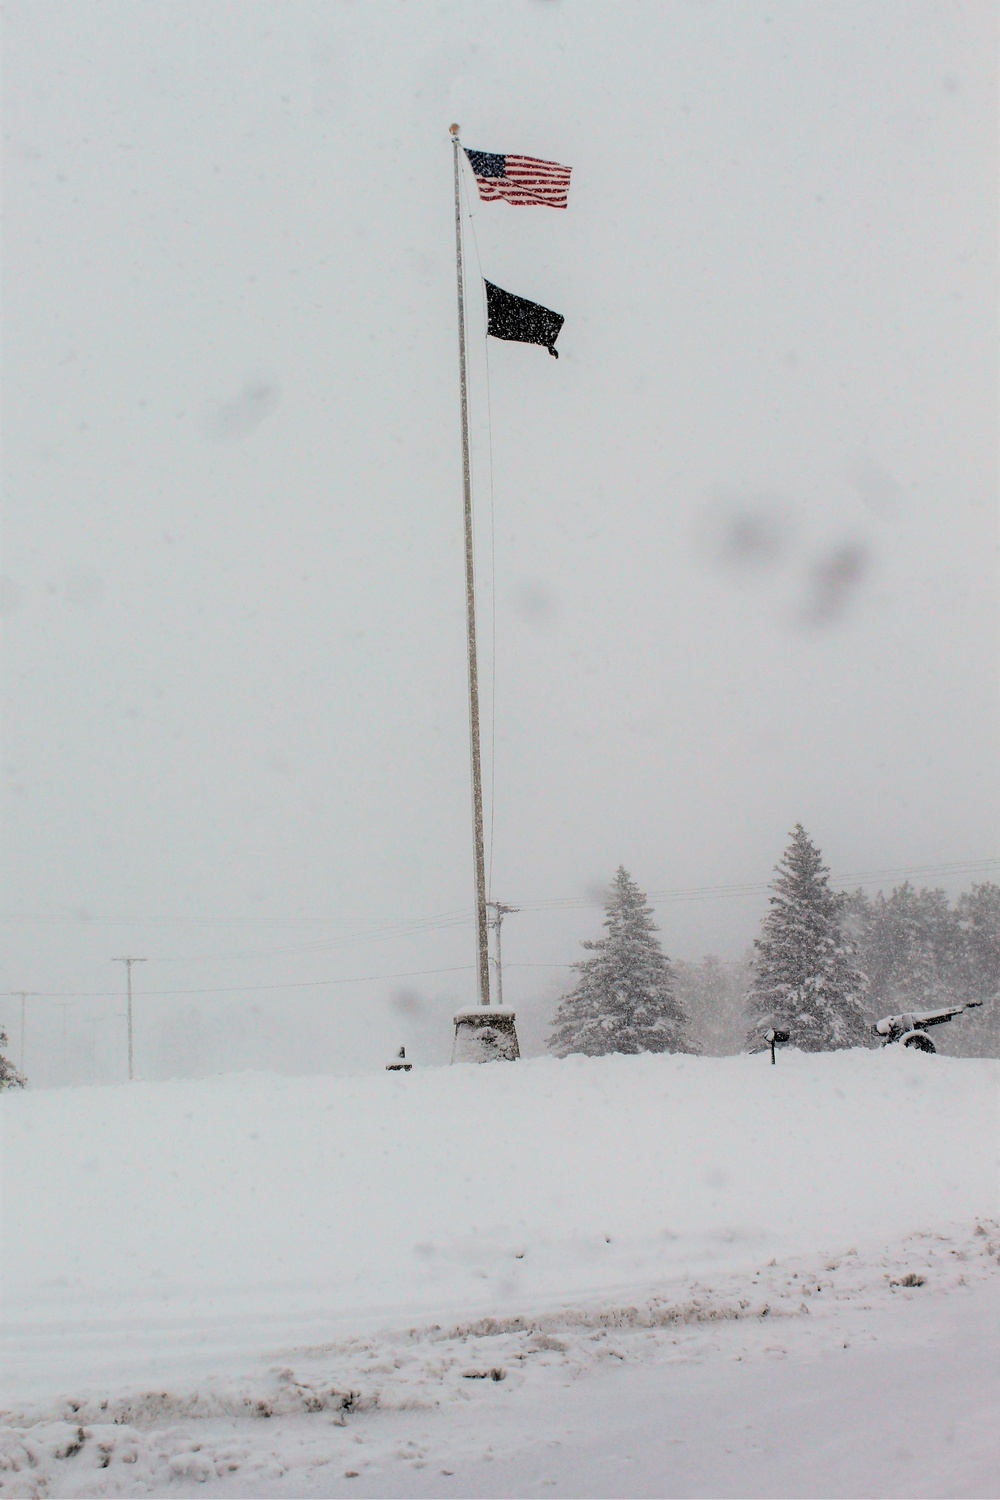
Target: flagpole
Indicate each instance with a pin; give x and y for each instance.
(482, 931)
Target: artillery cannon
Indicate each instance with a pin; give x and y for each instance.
(910, 1026)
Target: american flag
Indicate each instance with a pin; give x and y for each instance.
(520, 179)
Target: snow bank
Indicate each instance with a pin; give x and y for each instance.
(160, 1227)
(663, 1397)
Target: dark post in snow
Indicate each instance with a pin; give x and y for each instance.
(772, 1038)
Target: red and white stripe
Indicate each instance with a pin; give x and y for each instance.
(528, 181)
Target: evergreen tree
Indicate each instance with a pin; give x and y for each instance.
(932, 976)
(919, 951)
(978, 916)
(804, 979)
(10, 1078)
(624, 999)
(909, 949)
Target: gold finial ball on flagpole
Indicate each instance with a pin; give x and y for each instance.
(453, 129)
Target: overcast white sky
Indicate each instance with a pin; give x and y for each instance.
(744, 529)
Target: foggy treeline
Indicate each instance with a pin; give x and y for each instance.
(920, 951)
(917, 950)
(712, 993)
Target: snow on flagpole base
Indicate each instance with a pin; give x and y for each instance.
(485, 1034)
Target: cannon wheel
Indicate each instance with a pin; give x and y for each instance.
(920, 1040)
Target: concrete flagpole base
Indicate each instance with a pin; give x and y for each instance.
(485, 1034)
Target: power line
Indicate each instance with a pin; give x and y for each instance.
(419, 926)
(458, 918)
(757, 887)
(239, 989)
(134, 919)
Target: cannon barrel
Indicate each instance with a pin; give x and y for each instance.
(909, 1020)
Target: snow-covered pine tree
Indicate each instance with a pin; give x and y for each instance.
(929, 974)
(911, 947)
(918, 951)
(624, 999)
(979, 920)
(978, 913)
(10, 1078)
(804, 978)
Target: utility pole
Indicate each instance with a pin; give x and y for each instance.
(93, 1022)
(65, 1005)
(128, 962)
(501, 912)
(23, 994)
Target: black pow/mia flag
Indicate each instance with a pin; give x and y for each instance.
(521, 321)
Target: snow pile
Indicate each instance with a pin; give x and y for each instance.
(182, 1258)
(309, 1422)
(491, 1190)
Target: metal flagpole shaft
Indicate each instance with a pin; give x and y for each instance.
(482, 936)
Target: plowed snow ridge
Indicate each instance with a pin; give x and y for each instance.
(184, 1260)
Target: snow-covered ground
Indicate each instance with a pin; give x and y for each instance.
(652, 1275)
